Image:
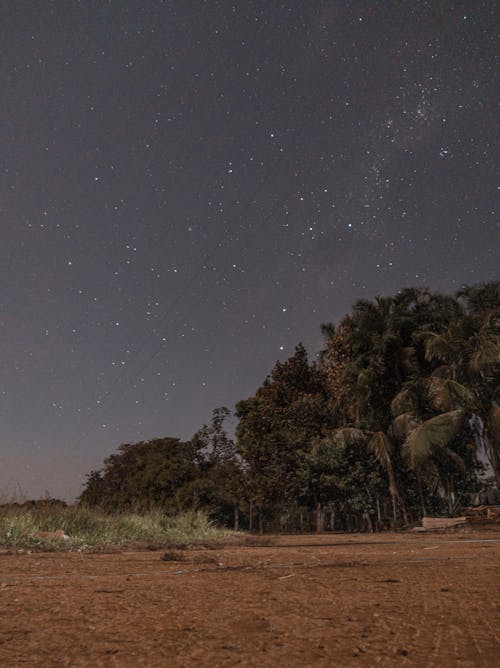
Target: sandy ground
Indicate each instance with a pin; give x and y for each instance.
(332, 600)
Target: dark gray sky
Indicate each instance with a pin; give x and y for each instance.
(189, 189)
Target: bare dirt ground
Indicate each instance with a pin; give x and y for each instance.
(332, 600)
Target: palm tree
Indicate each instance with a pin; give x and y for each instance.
(428, 450)
(378, 358)
(429, 362)
(467, 351)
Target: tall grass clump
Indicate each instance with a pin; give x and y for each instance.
(89, 529)
(193, 526)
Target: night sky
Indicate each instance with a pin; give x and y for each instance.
(190, 188)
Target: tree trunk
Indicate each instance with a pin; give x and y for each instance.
(450, 497)
(403, 510)
(394, 515)
(379, 516)
(396, 498)
(319, 518)
(236, 518)
(421, 495)
(250, 516)
(261, 525)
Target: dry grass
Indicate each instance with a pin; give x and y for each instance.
(90, 530)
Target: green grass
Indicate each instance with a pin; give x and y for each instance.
(90, 530)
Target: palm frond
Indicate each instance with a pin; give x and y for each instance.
(436, 346)
(401, 427)
(485, 353)
(455, 460)
(447, 395)
(432, 436)
(403, 402)
(481, 299)
(382, 448)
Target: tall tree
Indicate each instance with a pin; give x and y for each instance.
(220, 485)
(276, 429)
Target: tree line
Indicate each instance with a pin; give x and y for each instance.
(398, 417)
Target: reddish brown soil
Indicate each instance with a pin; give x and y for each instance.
(334, 600)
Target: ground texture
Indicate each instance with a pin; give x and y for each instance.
(334, 600)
